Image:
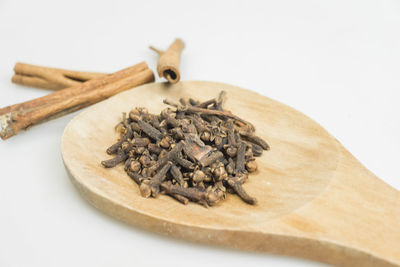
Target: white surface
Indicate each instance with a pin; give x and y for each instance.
(336, 61)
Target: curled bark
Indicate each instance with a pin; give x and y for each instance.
(169, 61)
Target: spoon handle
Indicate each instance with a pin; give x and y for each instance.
(354, 222)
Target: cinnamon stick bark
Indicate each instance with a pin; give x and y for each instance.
(50, 78)
(72, 99)
(169, 61)
(76, 90)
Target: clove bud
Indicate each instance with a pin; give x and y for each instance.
(192, 151)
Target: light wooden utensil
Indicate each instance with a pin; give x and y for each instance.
(315, 200)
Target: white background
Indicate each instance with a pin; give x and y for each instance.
(336, 61)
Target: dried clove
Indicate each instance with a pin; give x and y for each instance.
(192, 151)
(168, 157)
(251, 166)
(236, 184)
(198, 195)
(152, 185)
(257, 150)
(114, 148)
(194, 148)
(213, 157)
(221, 100)
(255, 139)
(177, 174)
(198, 177)
(150, 130)
(135, 177)
(134, 166)
(240, 158)
(154, 148)
(140, 141)
(120, 157)
(184, 163)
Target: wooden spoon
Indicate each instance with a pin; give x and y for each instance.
(315, 200)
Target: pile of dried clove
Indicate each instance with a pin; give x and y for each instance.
(193, 151)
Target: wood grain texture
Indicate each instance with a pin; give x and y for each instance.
(316, 201)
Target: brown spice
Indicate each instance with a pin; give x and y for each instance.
(21, 116)
(191, 152)
(76, 90)
(50, 78)
(169, 61)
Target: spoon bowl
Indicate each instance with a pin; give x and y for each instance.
(315, 200)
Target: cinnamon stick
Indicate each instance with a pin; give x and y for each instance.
(72, 99)
(76, 90)
(169, 61)
(50, 78)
